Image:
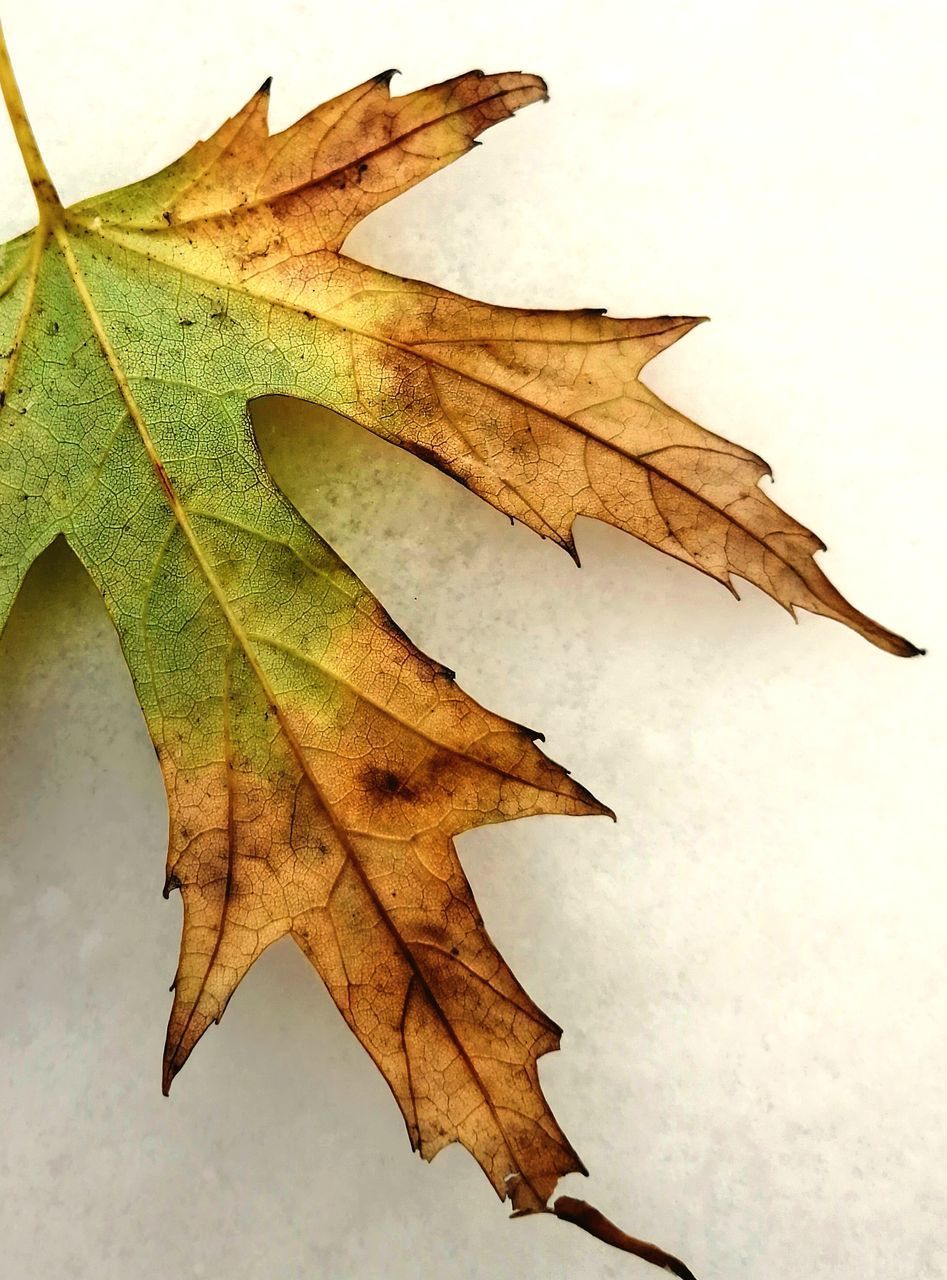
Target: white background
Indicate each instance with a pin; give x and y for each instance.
(749, 967)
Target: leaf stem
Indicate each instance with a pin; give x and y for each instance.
(596, 1224)
(47, 198)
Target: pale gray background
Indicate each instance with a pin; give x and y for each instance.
(749, 966)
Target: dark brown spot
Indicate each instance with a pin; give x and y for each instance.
(385, 783)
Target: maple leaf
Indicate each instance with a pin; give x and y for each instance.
(317, 765)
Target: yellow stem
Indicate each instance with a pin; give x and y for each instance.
(47, 198)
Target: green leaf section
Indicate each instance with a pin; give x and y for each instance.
(73, 462)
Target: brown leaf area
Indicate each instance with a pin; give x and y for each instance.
(350, 851)
(541, 413)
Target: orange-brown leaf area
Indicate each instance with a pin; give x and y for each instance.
(333, 821)
(318, 767)
(541, 413)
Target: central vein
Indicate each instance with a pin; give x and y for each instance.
(244, 641)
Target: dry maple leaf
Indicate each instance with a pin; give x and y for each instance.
(317, 765)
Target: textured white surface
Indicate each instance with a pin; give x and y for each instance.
(749, 967)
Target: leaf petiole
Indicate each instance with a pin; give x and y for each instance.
(584, 1215)
(47, 197)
